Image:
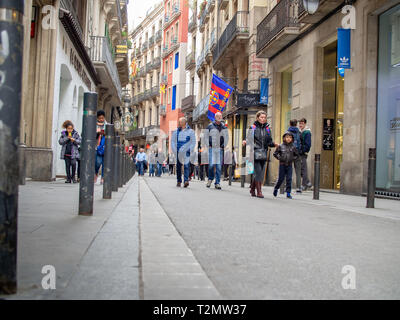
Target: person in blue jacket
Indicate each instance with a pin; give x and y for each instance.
(297, 143)
(183, 142)
(101, 140)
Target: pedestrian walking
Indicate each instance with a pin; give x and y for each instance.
(297, 143)
(305, 149)
(286, 153)
(70, 141)
(216, 135)
(152, 162)
(260, 137)
(100, 147)
(140, 161)
(183, 142)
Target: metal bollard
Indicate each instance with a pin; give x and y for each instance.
(88, 155)
(11, 53)
(371, 178)
(108, 162)
(115, 175)
(121, 167)
(317, 167)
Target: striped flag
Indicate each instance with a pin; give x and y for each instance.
(219, 96)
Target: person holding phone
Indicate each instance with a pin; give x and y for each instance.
(70, 141)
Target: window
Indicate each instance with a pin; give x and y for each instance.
(176, 60)
(166, 67)
(170, 64)
(169, 96)
(173, 103)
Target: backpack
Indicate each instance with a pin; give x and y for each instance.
(297, 140)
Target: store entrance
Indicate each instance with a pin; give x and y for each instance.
(332, 120)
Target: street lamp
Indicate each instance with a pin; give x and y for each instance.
(311, 6)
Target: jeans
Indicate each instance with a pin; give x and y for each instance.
(70, 167)
(297, 167)
(285, 171)
(186, 169)
(304, 170)
(215, 161)
(99, 163)
(140, 167)
(151, 170)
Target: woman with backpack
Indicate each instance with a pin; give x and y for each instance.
(297, 143)
(260, 135)
(70, 141)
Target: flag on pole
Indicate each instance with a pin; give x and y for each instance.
(219, 96)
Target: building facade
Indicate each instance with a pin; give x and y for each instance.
(68, 50)
(349, 112)
(146, 74)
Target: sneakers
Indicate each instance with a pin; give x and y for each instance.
(186, 184)
(217, 186)
(275, 192)
(74, 181)
(298, 191)
(67, 181)
(289, 196)
(178, 184)
(209, 183)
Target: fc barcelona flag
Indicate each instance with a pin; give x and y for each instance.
(219, 96)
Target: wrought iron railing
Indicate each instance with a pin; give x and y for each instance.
(192, 24)
(283, 15)
(151, 41)
(158, 36)
(238, 25)
(190, 61)
(145, 46)
(156, 63)
(187, 103)
(163, 110)
(100, 52)
(201, 108)
(155, 91)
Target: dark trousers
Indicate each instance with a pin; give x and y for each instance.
(203, 171)
(79, 167)
(186, 170)
(285, 171)
(70, 167)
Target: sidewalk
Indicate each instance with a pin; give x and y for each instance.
(84, 250)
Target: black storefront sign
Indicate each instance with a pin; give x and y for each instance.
(247, 99)
(327, 142)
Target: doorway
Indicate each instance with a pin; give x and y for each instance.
(332, 120)
(286, 100)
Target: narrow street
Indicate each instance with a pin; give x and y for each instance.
(155, 241)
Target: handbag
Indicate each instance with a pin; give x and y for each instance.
(260, 154)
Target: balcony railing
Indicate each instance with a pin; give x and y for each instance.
(163, 110)
(210, 5)
(139, 132)
(164, 79)
(100, 52)
(281, 21)
(142, 72)
(238, 26)
(158, 36)
(145, 46)
(203, 19)
(190, 61)
(187, 104)
(171, 16)
(151, 41)
(201, 108)
(155, 91)
(192, 24)
(156, 63)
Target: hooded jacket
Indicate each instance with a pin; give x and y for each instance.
(286, 153)
(296, 137)
(63, 141)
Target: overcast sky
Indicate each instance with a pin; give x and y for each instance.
(137, 11)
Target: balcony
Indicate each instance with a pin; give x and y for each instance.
(163, 110)
(151, 41)
(164, 79)
(137, 133)
(204, 17)
(200, 62)
(167, 50)
(100, 54)
(171, 16)
(155, 92)
(222, 4)
(210, 46)
(210, 6)
(158, 36)
(149, 67)
(146, 94)
(202, 108)
(138, 53)
(190, 61)
(325, 7)
(156, 63)
(232, 40)
(142, 72)
(145, 46)
(192, 24)
(278, 29)
(188, 104)
(138, 99)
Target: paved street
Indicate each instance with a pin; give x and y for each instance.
(155, 241)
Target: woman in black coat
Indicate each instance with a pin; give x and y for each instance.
(260, 136)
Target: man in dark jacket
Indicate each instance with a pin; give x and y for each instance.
(286, 153)
(183, 142)
(297, 143)
(306, 146)
(217, 136)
